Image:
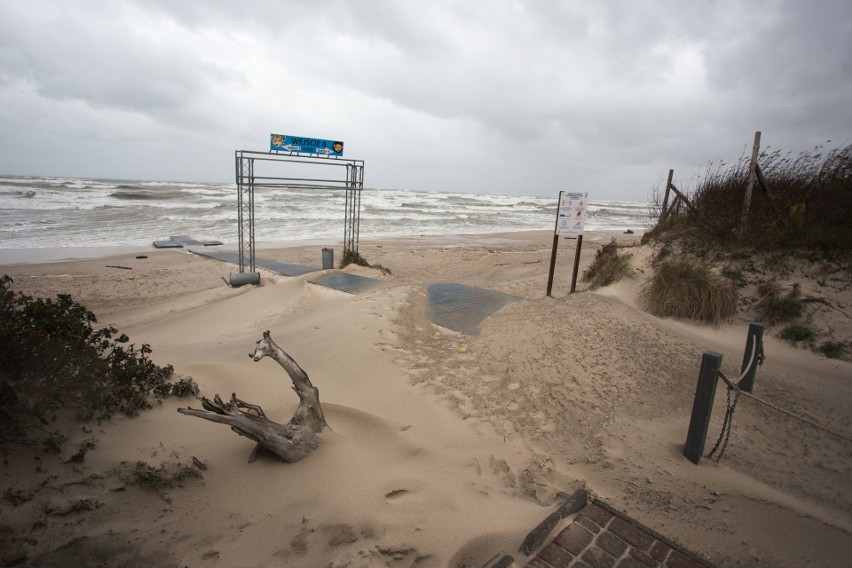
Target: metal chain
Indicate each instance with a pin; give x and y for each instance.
(733, 397)
(725, 434)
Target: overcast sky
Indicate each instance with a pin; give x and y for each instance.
(524, 97)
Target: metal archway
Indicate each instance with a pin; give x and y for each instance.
(247, 181)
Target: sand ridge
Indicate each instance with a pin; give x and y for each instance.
(437, 455)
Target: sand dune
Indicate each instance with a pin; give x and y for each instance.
(436, 455)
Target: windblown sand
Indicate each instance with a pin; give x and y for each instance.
(443, 449)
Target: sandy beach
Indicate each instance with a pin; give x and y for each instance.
(444, 449)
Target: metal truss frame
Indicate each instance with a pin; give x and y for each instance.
(352, 183)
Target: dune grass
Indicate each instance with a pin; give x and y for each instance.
(685, 289)
(354, 257)
(608, 267)
(803, 212)
(807, 203)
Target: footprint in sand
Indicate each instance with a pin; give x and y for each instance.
(396, 494)
(408, 491)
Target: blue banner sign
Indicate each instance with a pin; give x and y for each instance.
(298, 144)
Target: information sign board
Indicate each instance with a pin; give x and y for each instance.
(302, 145)
(571, 218)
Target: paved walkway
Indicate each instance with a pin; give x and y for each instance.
(589, 533)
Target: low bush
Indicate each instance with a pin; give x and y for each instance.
(160, 478)
(684, 289)
(608, 267)
(53, 360)
(832, 349)
(775, 307)
(799, 332)
(806, 334)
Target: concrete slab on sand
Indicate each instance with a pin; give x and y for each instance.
(455, 306)
(462, 308)
(279, 267)
(351, 283)
(182, 241)
(345, 282)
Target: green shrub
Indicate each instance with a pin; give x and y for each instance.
(16, 497)
(775, 307)
(52, 359)
(52, 442)
(803, 333)
(159, 478)
(832, 349)
(684, 289)
(184, 386)
(609, 266)
(735, 274)
(799, 332)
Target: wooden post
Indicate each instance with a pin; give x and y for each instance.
(554, 247)
(576, 262)
(552, 263)
(702, 406)
(755, 150)
(751, 355)
(666, 198)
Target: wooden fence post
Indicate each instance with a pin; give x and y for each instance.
(702, 406)
(752, 173)
(666, 197)
(752, 355)
(554, 246)
(576, 263)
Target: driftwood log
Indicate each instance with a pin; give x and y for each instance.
(290, 442)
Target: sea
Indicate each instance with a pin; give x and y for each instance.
(51, 212)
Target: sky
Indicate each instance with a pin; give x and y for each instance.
(487, 96)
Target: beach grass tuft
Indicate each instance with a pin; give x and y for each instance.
(608, 267)
(685, 289)
(354, 257)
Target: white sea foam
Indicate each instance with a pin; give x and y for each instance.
(40, 212)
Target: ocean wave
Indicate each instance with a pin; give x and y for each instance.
(139, 194)
(121, 212)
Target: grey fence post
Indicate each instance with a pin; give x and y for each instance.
(702, 406)
(755, 331)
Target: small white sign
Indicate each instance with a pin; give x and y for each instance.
(571, 217)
